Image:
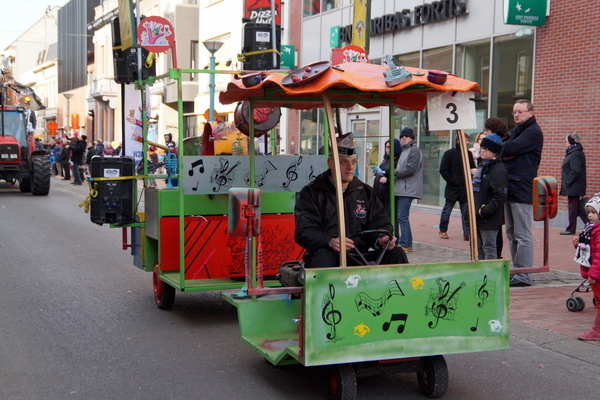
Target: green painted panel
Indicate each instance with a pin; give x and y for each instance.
(387, 312)
(218, 204)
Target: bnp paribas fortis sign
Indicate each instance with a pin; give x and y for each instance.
(525, 12)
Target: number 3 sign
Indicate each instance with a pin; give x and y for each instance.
(451, 110)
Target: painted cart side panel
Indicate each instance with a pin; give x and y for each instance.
(388, 312)
(273, 174)
(211, 253)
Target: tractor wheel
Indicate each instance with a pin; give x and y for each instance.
(342, 382)
(164, 294)
(41, 175)
(25, 185)
(433, 380)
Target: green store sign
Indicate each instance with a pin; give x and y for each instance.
(525, 12)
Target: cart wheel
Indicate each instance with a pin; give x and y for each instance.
(164, 294)
(342, 382)
(433, 381)
(571, 304)
(594, 301)
(580, 303)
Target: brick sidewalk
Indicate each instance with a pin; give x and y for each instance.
(542, 305)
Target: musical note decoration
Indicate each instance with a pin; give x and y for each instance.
(222, 175)
(291, 174)
(329, 314)
(376, 306)
(442, 304)
(260, 179)
(400, 318)
(482, 292)
(395, 75)
(195, 164)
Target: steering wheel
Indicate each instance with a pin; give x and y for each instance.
(383, 249)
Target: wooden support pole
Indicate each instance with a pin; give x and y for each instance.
(464, 152)
(337, 179)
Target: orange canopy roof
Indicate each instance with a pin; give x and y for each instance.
(352, 83)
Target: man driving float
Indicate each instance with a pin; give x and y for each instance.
(317, 220)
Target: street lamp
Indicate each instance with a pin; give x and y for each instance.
(68, 97)
(212, 46)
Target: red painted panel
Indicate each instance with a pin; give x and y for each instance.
(211, 253)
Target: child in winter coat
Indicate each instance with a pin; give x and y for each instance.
(490, 183)
(588, 256)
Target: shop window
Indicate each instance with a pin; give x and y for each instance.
(433, 144)
(409, 59)
(512, 74)
(311, 132)
(473, 63)
(311, 7)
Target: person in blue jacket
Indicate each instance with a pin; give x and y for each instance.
(521, 153)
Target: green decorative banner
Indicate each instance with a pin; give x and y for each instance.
(388, 312)
(525, 12)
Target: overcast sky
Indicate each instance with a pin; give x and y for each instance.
(16, 16)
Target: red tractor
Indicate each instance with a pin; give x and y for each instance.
(19, 158)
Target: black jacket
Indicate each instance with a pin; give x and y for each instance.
(522, 153)
(452, 172)
(574, 172)
(77, 153)
(316, 214)
(492, 195)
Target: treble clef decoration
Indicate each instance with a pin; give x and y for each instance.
(330, 315)
(291, 173)
(482, 293)
(443, 304)
(223, 175)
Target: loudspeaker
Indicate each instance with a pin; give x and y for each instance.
(258, 37)
(114, 202)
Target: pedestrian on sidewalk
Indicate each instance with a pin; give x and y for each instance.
(451, 169)
(489, 189)
(521, 154)
(498, 126)
(65, 157)
(408, 184)
(587, 254)
(77, 154)
(381, 182)
(574, 182)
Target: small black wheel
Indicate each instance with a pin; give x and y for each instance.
(594, 301)
(580, 303)
(342, 382)
(571, 304)
(433, 380)
(164, 294)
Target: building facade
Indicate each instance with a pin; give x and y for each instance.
(471, 40)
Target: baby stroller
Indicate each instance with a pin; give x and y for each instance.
(576, 303)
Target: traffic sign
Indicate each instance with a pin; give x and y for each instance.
(52, 127)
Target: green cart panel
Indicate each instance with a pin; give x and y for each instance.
(388, 312)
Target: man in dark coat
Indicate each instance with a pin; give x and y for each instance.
(316, 216)
(489, 190)
(521, 154)
(451, 169)
(77, 153)
(574, 182)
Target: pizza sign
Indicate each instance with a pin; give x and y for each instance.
(259, 11)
